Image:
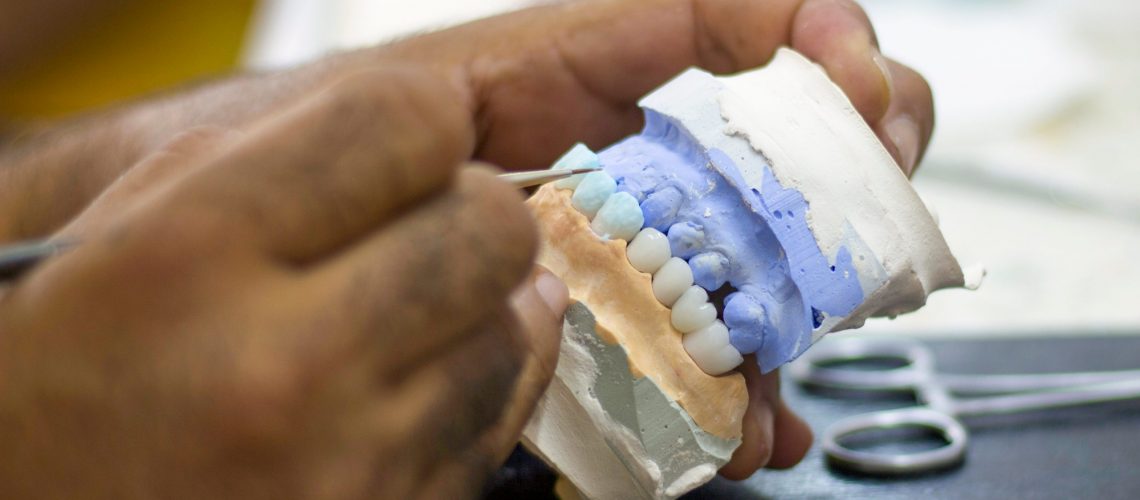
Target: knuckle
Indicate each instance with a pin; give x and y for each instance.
(177, 156)
(410, 95)
(422, 128)
(198, 138)
(257, 405)
(361, 91)
(356, 108)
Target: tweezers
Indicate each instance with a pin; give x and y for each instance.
(19, 258)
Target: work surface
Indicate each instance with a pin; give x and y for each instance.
(1088, 452)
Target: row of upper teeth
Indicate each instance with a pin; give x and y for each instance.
(617, 215)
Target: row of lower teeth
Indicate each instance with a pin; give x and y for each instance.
(617, 215)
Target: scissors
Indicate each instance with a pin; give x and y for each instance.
(17, 259)
(944, 399)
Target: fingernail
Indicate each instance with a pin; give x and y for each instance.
(553, 291)
(903, 131)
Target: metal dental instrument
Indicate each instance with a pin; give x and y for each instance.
(18, 258)
(535, 177)
(942, 399)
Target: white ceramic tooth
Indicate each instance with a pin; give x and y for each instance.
(703, 345)
(619, 218)
(723, 361)
(648, 251)
(592, 192)
(710, 349)
(693, 311)
(671, 281)
(578, 156)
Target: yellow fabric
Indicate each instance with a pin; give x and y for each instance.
(143, 47)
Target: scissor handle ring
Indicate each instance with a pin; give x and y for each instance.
(812, 368)
(902, 463)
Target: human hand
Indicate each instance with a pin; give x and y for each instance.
(540, 79)
(323, 306)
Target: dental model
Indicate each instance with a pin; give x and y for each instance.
(754, 214)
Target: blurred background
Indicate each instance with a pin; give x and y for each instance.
(1035, 165)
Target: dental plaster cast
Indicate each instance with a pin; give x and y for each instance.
(766, 190)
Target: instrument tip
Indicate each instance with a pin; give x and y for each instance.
(576, 171)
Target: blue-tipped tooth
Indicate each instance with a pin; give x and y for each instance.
(619, 218)
(578, 156)
(593, 192)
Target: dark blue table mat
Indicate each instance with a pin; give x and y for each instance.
(1086, 452)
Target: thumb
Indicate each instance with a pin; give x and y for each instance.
(539, 304)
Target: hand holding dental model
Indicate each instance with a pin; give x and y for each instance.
(764, 190)
(318, 304)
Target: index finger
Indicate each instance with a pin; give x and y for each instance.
(330, 169)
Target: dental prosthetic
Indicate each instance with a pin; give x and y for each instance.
(753, 214)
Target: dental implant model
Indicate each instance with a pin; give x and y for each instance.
(754, 214)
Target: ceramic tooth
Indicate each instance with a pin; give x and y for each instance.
(578, 156)
(710, 350)
(671, 281)
(648, 251)
(692, 311)
(592, 192)
(619, 218)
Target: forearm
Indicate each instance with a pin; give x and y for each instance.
(50, 172)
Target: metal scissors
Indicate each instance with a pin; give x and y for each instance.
(16, 259)
(944, 399)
